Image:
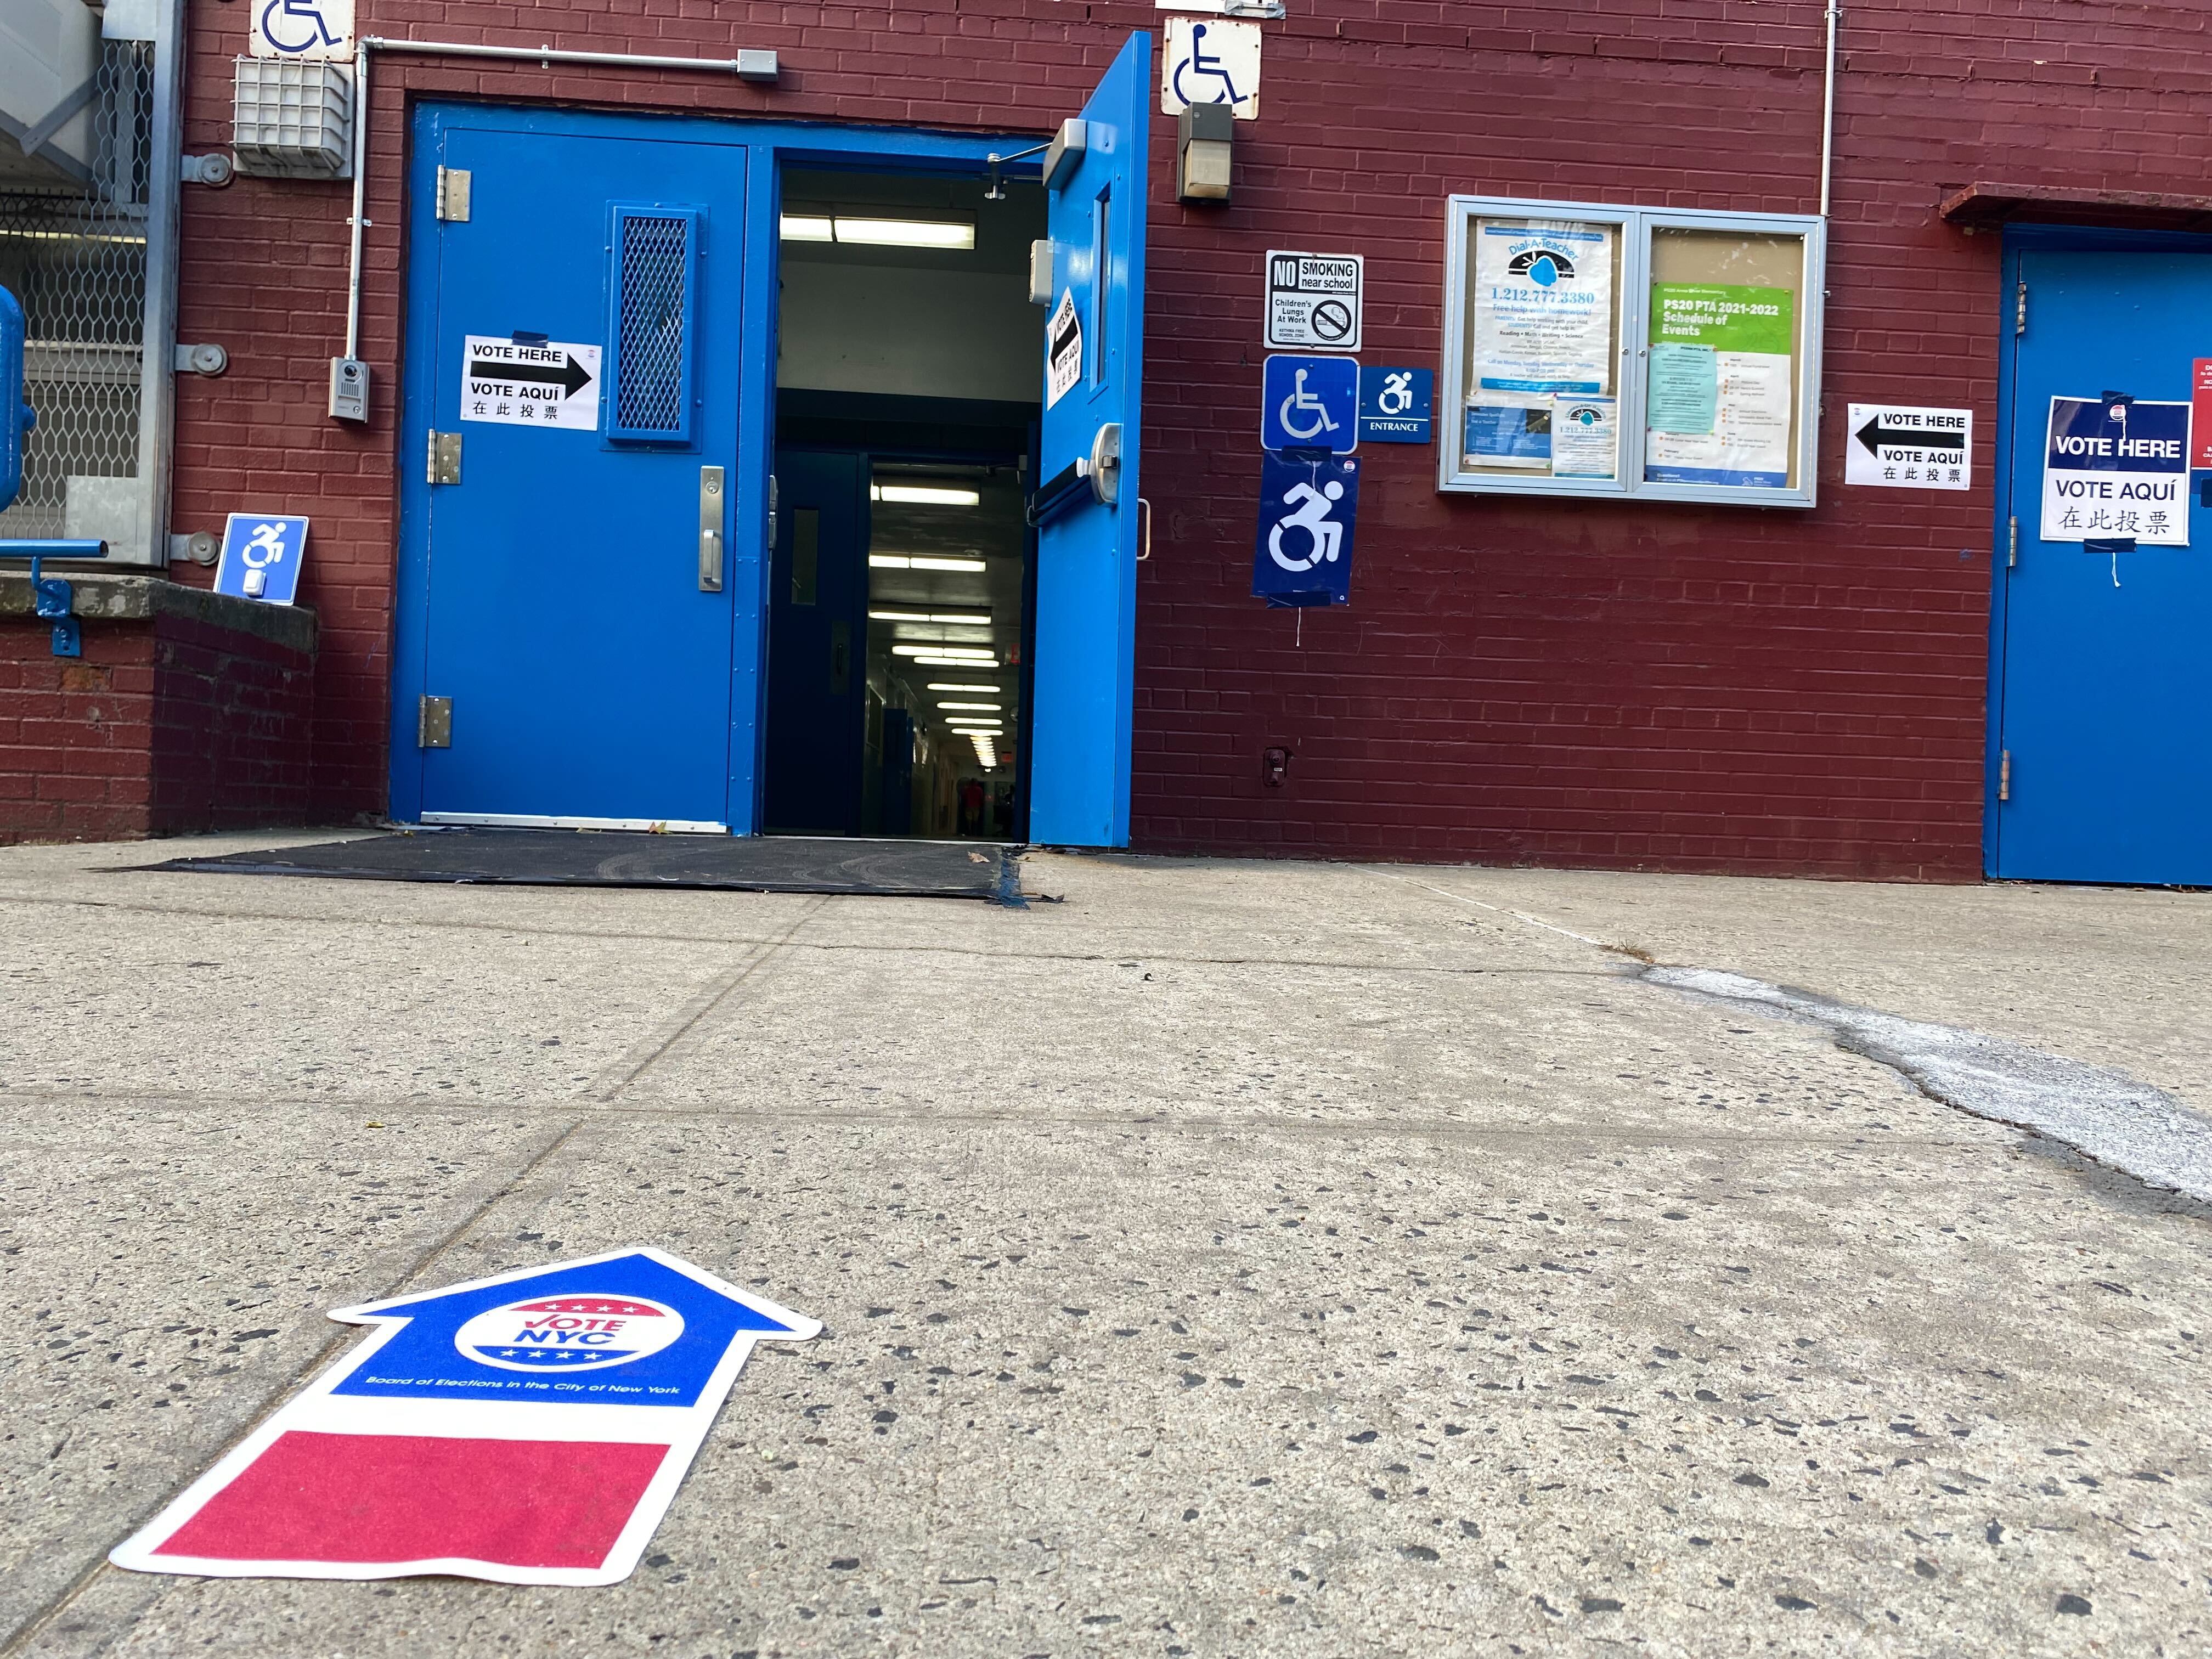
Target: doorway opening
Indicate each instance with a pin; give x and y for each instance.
(902, 616)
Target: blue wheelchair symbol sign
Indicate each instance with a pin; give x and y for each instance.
(261, 557)
(1394, 404)
(1307, 511)
(1309, 402)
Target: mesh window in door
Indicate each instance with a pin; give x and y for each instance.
(656, 256)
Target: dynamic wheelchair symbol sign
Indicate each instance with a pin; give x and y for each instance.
(1309, 402)
(1308, 510)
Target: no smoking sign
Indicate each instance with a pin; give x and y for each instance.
(1313, 300)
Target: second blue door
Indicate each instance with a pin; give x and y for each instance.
(2103, 685)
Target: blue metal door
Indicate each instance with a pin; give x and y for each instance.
(1087, 584)
(2102, 762)
(571, 434)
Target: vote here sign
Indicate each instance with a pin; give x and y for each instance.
(2117, 470)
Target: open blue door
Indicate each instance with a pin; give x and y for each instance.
(1087, 498)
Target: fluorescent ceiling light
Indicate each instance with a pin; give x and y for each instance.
(904, 232)
(952, 653)
(958, 618)
(924, 495)
(916, 562)
(877, 232)
(898, 616)
(947, 685)
(991, 708)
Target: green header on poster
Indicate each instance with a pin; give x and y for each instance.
(1727, 319)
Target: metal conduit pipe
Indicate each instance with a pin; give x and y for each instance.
(751, 65)
(1828, 107)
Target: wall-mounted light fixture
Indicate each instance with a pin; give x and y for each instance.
(1203, 146)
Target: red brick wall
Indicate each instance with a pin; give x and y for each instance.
(162, 727)
(233, 737)
(75, 733)
(1669, 686)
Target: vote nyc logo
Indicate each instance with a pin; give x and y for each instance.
(569, 1332)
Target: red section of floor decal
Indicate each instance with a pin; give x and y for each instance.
(377, 1498)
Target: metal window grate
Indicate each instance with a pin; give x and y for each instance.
(73, 250)
(656, 253)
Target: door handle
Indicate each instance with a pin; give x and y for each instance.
(711, 507)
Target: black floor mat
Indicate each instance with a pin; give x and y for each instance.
(621, 858)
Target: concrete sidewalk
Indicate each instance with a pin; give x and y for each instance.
(1228, 1258)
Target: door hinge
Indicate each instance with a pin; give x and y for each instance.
(2004, 775)
(453, 194)
(434, 723)
(2012, 544)
(2019, 309)
(445, 457)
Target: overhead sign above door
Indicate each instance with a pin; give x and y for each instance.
(306, 29)
(530, 382)
(1208, 61)
(1908, 448)
(2117, 470)
(1313, 300)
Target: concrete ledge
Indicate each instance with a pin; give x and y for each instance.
(103, 598)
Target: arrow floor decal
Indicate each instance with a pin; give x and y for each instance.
(530, 1428)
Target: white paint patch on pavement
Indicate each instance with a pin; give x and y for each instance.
(2107, 1115)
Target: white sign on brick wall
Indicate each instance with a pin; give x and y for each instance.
(305, 29)
(1211, 60)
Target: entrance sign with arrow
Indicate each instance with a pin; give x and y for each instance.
(1895, 448)
(522, 381)
(530, 1428)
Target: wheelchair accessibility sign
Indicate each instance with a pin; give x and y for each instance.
(1211, 60)
(303, 28)
(1309, 402)
(1394, 404)
(261, 555)
(1307, 511)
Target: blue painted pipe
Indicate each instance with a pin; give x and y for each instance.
(53, 550)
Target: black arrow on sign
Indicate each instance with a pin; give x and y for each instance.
(572, 374)
(1874, 435)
